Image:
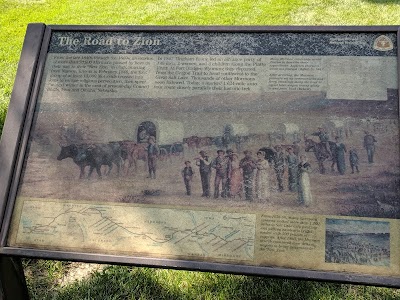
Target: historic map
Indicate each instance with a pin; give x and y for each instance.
(138, 229)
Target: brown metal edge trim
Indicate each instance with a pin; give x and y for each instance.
(16, 115)
(248, 270)
(398, 70)
(25, 129)
(25, 132)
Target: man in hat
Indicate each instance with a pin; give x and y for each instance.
(369, 145)
(187, 174)
(152, 155)
(204, 164)
(248, 166)
(143, 136)
(229, 156)
(220, 164)
(324, 139)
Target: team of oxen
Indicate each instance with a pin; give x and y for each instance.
(123, 154)
(96, 155)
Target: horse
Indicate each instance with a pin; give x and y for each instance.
(132, 152)
(321, 153)
(192, 142)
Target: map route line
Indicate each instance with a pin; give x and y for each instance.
(45, 228)
(109, 221)
(217, 242)
(230, 242)
(201, 246)
(225, 217)
(195, 230)
(101, 221)
(215, 237)
(225, 243)
(191, 232)
(232, 234)
(242, 245)
(184, 232)
(53, 220)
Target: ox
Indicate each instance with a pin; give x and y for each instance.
(205, 142)
(194, 142)
(92, 155)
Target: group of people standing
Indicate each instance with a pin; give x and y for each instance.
(338, 151)
(250, 177)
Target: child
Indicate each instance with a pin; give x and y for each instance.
(353, 157)
(187, 174)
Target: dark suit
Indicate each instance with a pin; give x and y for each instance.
(205, 175)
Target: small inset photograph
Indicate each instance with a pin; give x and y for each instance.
(358, 242)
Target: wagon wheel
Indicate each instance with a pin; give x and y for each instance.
(173, 149)
(163, 153)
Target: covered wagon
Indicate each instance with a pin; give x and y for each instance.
(235, 129)
(167, 133)
(288, 132)
(234, 134)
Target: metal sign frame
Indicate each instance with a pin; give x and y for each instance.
(18, 127)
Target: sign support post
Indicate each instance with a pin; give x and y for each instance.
(12, 279)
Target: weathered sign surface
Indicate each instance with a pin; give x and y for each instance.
(243, 150)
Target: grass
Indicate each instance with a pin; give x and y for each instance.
(16, 14)
(115, 282)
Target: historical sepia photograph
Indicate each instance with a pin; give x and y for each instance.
(358, 242)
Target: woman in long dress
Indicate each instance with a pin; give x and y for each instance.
(304, 188)
(340, 150)
(262, 177)
(236, 177)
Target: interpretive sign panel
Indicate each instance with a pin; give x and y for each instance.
(256, 150)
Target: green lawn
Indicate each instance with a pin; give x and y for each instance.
(45, 279)
(116, 282)
(16, 14)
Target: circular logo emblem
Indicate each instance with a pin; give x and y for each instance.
(383, 43)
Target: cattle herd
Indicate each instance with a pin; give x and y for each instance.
(366, 249)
